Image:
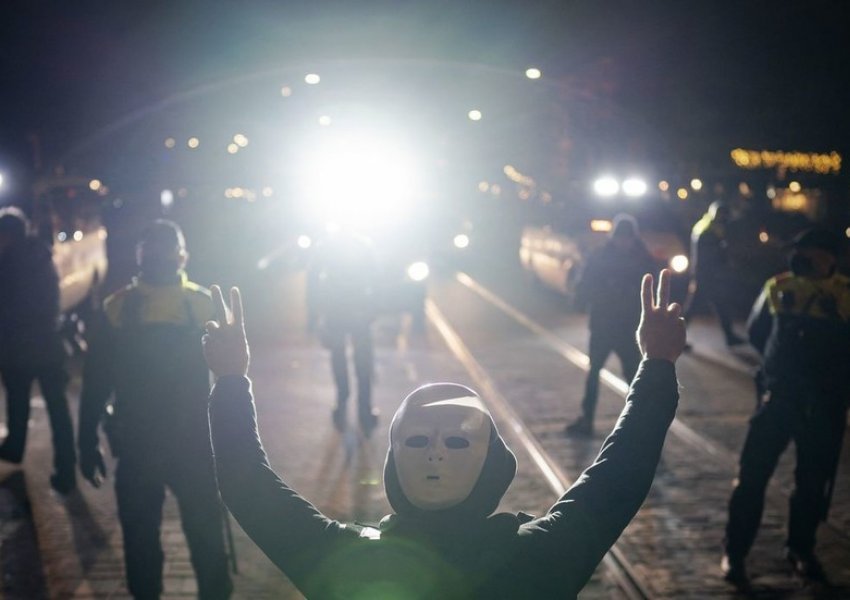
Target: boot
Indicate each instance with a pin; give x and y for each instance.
(734, 571)
(581, 427)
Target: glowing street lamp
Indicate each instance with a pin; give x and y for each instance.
(312, 79)
(474, 115)
(533, 73)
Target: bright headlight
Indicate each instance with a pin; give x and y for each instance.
(304, 241)
(606, 186)
(679, 263)
(634, 187)
(418, 271)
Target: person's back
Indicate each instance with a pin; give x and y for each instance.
(29, 304)
(809, 342)
(159, 373)
(610, 284)
(343, 272)
(147, 355)
(30, 346)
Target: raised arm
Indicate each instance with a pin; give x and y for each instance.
(589, 517)
(292, 532)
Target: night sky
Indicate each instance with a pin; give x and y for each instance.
(703, 77)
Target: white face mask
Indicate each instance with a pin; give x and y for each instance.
(439, 450)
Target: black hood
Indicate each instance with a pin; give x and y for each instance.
(496, 475)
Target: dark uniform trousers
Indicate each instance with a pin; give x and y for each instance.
(817, 427)
(603, 341)
(140, 491)
(336, 336)
(18, 383)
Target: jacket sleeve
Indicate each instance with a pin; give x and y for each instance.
(293, 533)
(97, 383)
(587, 285)
(586, 521)
(760, 322)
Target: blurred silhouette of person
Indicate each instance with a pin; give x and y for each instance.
(30, 345)
(801, 326)
(148, 354)
(610, 286)
(446, 470)
(342, 282)
(710, 263)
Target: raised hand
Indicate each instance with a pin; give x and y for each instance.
(225, 345)
(661, 333)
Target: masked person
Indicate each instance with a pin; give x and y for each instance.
(148, 354)
(30, 345)
(446, 470)
(801, 326)
(710, 262)
(610, 286)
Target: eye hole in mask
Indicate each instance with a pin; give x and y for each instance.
(452, 442)
(416, 441)
(456, 443)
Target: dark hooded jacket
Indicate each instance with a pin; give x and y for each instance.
(610, 286)
(29, 306)
(445, 554)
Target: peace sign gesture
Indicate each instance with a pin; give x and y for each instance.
(661, 333)
(225, 344)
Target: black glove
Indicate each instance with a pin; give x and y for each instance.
(92, 466)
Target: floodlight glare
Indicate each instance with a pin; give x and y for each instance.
(606, 186)
(634, 187)
(356, 180)
(304, 241)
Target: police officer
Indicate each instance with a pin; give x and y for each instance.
(342, 287)
(710, 261)
(148, 354)
(30, 346)
(610, 285)
(801, 326)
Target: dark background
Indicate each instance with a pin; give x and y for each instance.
(700, 77)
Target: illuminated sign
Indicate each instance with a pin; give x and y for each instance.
(793, 161)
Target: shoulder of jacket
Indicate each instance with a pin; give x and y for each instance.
(783, 279)
(200, 300)
(193, 289)
(114, 303)
(842, 280)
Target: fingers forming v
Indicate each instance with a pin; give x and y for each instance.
(664, 289)
(236, 304)
(219, 305)
(646, 293)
